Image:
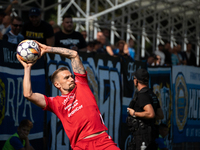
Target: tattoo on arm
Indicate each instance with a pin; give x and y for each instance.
(77, 65)
(62, 51)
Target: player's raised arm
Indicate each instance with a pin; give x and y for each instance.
(36, 98)
(77, 64)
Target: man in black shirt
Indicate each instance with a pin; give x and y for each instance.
(37, 29)
(68, 38)
(143, 110)
(190, 55)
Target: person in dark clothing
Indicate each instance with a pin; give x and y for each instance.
(68, 38)
(14, 35)
(167, 52)
(37, 29)
(143, 110)
(190, 55)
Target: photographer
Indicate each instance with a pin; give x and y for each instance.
(142, 112)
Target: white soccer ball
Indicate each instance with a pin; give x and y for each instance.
(28, 50)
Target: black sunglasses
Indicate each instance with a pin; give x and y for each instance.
(17, 25)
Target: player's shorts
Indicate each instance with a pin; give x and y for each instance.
(100, 142)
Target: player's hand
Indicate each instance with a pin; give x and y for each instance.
(25, 64)
(42, 47)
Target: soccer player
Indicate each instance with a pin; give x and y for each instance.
(76, 107)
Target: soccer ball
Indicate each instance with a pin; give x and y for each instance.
(28, 50)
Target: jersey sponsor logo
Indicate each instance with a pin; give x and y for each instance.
(75, 110)
(2, 100)
(69, 97)
(38, 35)
(72, 105)
(181, 101)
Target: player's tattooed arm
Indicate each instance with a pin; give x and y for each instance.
(77, 64)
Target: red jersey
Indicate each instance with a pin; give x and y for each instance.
(78, 111)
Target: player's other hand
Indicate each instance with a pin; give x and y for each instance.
(43, 48)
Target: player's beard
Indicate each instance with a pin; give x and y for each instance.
(71, 87)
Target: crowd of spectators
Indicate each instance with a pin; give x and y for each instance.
(167, 56)
(13, 29)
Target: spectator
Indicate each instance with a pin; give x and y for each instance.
(19, 140)
(181, 55)
(163, 132)
(2, 15)
(104, 48)
(120, 50)
(56, 28)
(6, 22)
(14, 35)
(160, 53)
(174, 56)
(106, 33)
(190, 56)
(84, 34)
(130, 48)
(52, 22)
(97, 45)
(37, 29)
(90, 47)
(8, 10)
(158, 61)
(151, 60)
(167, 52)
(69, 38)
(99, 35)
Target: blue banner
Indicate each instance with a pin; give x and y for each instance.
(13, 106)
(186, 104)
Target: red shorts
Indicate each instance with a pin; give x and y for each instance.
(100, 142)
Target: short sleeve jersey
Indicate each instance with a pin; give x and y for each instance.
(70, 40)
(39, 33)
(78, 111)
(143, 99)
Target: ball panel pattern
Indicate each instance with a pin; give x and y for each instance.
(28, 50)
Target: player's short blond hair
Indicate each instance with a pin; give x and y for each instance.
(53, 76)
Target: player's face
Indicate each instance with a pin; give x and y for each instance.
(68, 24)
(23, 132)
(65, 81)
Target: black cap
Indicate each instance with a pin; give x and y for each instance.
(141, 74)
(34, 12)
